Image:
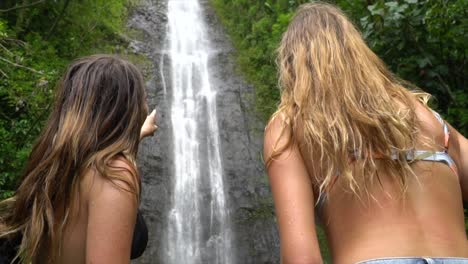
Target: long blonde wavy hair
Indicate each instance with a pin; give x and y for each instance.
(99, 110)
(340, 102)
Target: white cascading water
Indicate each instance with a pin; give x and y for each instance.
(198, 229)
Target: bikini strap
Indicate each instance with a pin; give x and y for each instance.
(424, 155)
(445, 127)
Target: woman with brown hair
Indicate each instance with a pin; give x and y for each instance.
(357, 150)
(77, 200)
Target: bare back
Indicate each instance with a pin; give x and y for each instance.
(426, 220)
(100, 229)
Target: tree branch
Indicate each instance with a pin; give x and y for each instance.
(3, 73)
(20, 7)
(7, 50)
(20, 66)
(19, 42)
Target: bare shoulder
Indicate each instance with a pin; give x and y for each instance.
(277, 135)
(112, 210)
(119, 182)
(429, 126)
(433, 129)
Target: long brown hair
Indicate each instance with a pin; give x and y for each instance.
(340, 101)
(99, 110)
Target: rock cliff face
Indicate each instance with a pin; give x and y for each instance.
(249, 198)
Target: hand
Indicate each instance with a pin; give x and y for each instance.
(149, 127)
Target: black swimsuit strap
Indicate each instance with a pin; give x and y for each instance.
(140, 237)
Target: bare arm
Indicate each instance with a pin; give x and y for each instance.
(149, 126)
(294, 200)
(111, 221)
(459, 144)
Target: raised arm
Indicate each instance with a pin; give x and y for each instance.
(111, 220)
(294, 199)
(149, 126)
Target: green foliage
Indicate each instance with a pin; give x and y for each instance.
(36, 43)
(322, 237)
(424, 42)
(256, 29)
(263, 210)
(466, 220)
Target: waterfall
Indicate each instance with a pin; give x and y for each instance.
(198, 229)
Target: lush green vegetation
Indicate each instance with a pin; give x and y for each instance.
(423, 41)
(37, 40)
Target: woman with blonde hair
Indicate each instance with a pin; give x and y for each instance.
(77, 200)
(357, 150)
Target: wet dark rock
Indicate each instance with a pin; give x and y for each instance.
(241, 132)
